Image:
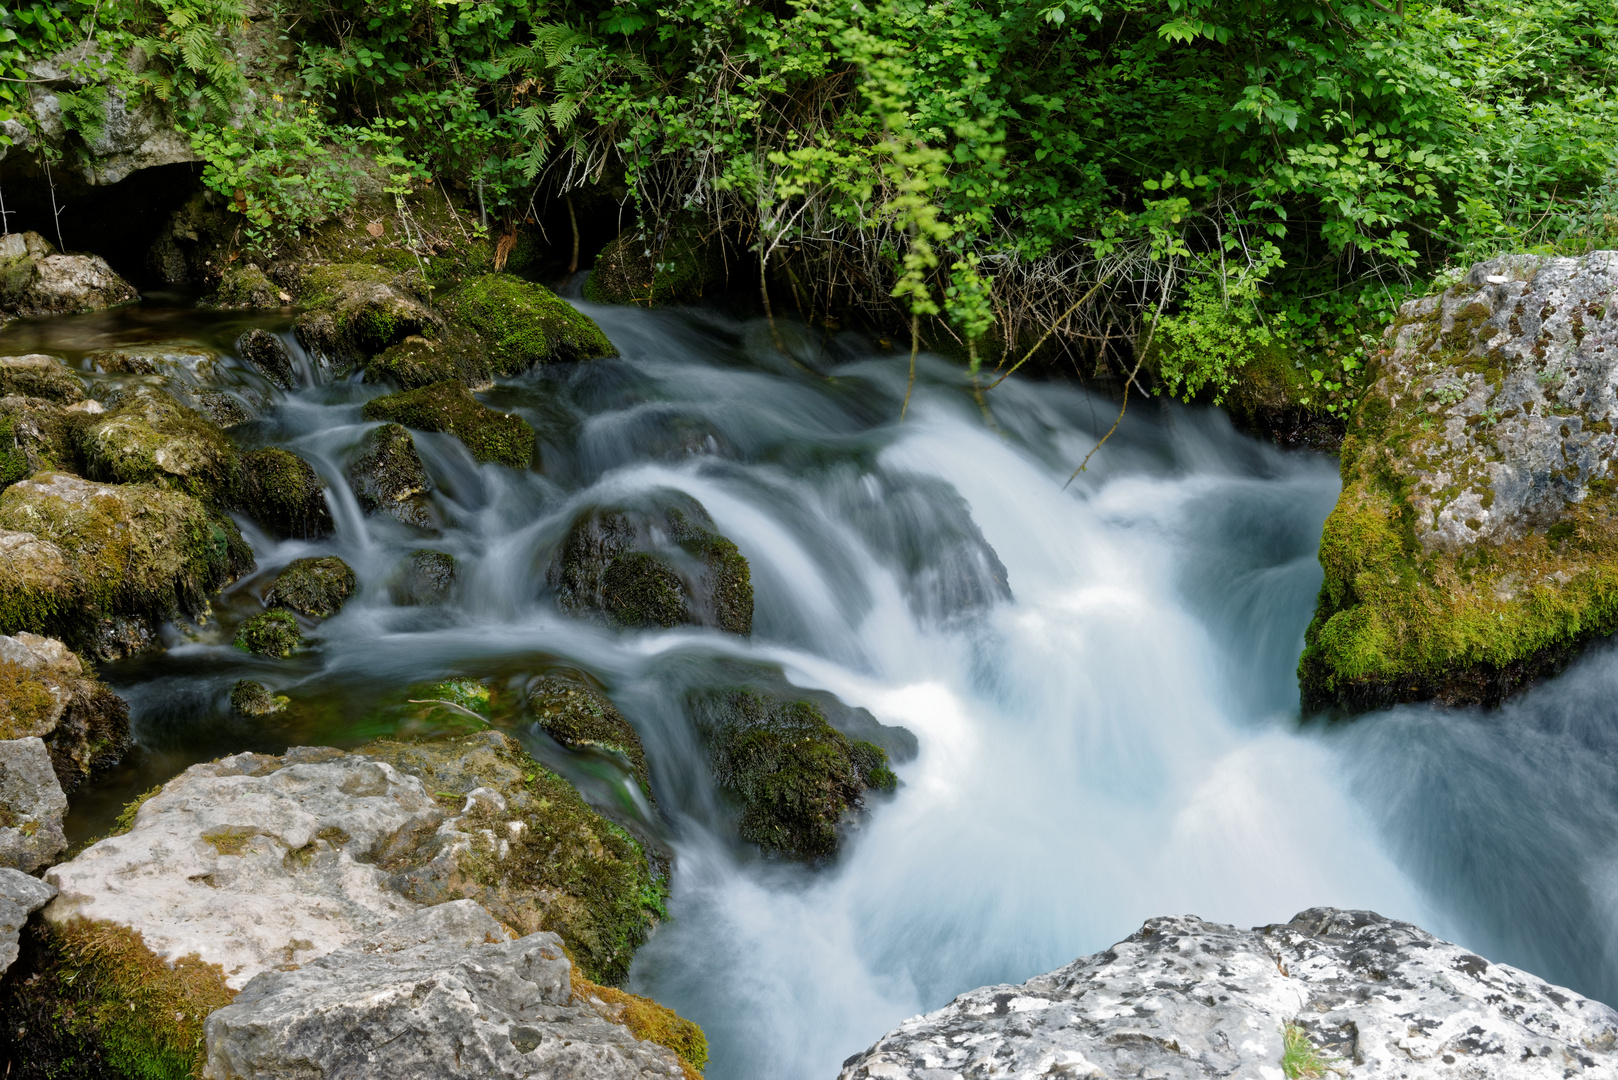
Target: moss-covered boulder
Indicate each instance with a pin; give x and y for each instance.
(537, 855)
(355, 311)
(126, 553)
(674, 264)
(283, 493)
(429, 577)
(574, 713)
(450, 407)
(246, 287)
(273, 633)
(387, 477)
(417, 361)
(1475, 542)
(35, 279)
(269, 357)
(36, 435)
(316, 587)
(39, 376)
(792, 773)
(150, 438)
(252, 699)
(654, 561)
(523, 324)
(46, 692)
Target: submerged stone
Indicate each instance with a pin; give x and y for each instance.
(576, 714)
(317, 587)
(654, 561)
(284, 494)
(523, 324)
(272, 633)
(1474, 545)
(388, 477)
(252, 699)
(793, 774)
(450, 407)
(429, 578)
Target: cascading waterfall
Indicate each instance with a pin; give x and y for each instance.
(1100, 676)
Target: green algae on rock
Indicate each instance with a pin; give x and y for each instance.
(246, 287)
(356, 311)
(1474, 546)
(123, 551)
(37, 435)
(39, 376)
(575, 714)
(150, 438)
(419, 361)
(388, 477)
(271, 633)
(653, 561)
(450, 407)
(252, 699)
(674, 267)
(284, 494)
(317, 587)
(523, 324)
(536, 855)
(794, 774)
(47, 692)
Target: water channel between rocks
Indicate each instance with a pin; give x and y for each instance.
(1116, 738)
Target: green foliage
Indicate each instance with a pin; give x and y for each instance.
(1300, 1058)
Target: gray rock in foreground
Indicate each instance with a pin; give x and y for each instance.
(1185, 999)
(31, 803)
(20, 896)
(442, 993)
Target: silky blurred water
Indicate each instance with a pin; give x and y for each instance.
(1100, 675)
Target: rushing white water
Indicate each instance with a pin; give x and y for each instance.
(1115, 737)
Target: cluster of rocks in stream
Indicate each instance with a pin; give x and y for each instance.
(1344, 993)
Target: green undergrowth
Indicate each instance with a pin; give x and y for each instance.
(1300, 1058)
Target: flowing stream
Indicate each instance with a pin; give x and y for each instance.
(1100, 676)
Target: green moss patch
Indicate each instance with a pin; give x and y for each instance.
(39, 376)
(252, 699)
(575, 714)
(565, 868)
(417, 361)
(642, 591)
(317, 587)
(283, 493)
(245, 287)
(357, 310)
(794, 775)
(270, 633)
(648, 1021)
(523, 324)
(152, 439)
(450, 407)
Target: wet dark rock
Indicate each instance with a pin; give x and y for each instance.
(450, 407)
(284, 494)
(47, 693)
(316, 587)
(522, 324)
(576, 714)
(388, 477)
(270, 633)
(1348, 992)
(32, 805)
(793, 774)
(268, 355)
(654, 561)
(36, 280)
(251, 699)
(39, 376)
(429, 578)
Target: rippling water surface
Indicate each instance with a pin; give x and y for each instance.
(1100, 677)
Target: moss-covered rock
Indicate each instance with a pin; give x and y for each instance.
(273, 633)
(418, 361)
(39, 376)
(36, 435)
(252, 699)
(674, 265)
(576, 714)
(429, 578)
(563, 867)
(46, 692)
(268, 355)
(523, 324)
(654, 561)
(317, 587)
(1475, 544)
(793, 774)
(131, 551)
(150, 438)
(388, 477)
(355, 311)
(246, 287)
(283, 493)
(450, 407)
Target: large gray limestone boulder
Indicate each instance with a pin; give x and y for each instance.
(36, 280)
(1364, 997)
(31, 805)
(443, 993)
(20, 896)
